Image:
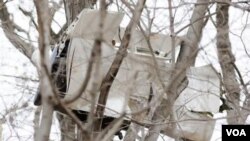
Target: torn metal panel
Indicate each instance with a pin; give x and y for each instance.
(194, 108)
(194, 126)
(87, 25)
(137, 74)
(160, 43)
(203, 87)
(133, 78)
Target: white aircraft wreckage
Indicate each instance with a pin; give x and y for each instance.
(136, 77)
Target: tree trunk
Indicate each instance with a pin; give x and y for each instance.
(46, 87)
(227, 62)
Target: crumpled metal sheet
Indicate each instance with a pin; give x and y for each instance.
(202, 92)
(159, 42)
(86, 25)
(194, 107)
(133, 79)
(137, 74)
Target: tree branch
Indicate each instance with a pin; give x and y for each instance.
(226, 60)
(120, 55)
(47, 92)
(9, 28)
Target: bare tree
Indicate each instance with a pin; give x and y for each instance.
(159, 114)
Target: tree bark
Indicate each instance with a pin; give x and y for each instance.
(227, 62)
(42, 9)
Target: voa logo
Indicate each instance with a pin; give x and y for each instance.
(236, 132)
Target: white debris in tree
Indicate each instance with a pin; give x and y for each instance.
(87, 25)
(194, 107)
(137, 74)
(159, 42)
